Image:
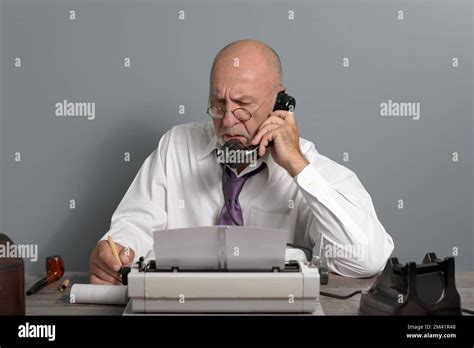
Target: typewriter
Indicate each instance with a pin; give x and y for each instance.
(223, 269)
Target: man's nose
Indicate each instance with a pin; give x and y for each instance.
(229, 119)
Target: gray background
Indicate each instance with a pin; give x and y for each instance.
(338, 108)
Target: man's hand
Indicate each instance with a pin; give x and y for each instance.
(280, 127)
(104, 268)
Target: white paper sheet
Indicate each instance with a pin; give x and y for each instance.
(215, 247)
(99, 294)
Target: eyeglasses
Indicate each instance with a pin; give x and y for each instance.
(240, 113)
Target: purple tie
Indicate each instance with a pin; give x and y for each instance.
(232, 185)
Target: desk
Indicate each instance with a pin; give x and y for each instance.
(49, 301)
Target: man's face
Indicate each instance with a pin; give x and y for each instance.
(241, 87)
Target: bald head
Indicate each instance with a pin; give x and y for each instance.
(250, 52)
(246, 74)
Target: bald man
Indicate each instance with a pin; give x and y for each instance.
(290, 186)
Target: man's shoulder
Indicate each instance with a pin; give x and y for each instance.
(189, 138)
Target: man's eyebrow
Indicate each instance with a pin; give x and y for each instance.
(245, 97)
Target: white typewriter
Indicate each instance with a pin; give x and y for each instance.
(223, 269)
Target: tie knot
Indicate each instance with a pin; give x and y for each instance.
(234, 184)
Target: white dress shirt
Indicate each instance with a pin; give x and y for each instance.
(179, 185)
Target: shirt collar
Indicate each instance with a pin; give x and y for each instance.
(210, 147)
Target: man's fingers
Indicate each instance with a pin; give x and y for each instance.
(97, 263)
(264, 142)
(103, 267)
(126, 256)
(263, 131)
(288, 116)
(105, 253)
(96, 280)
(103, 275)
(272, 120)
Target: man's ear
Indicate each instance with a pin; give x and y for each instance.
(281, 89)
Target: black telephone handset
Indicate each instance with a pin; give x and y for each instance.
(284, 102)
(247, 154)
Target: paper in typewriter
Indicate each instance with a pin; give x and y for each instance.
(220, 247)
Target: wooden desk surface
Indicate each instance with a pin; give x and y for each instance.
(49, 301)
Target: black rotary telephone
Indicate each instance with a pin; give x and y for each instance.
(247, 154)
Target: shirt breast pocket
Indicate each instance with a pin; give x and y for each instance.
(269, 220)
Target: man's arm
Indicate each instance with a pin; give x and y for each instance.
(141, 211)
(337, 206)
